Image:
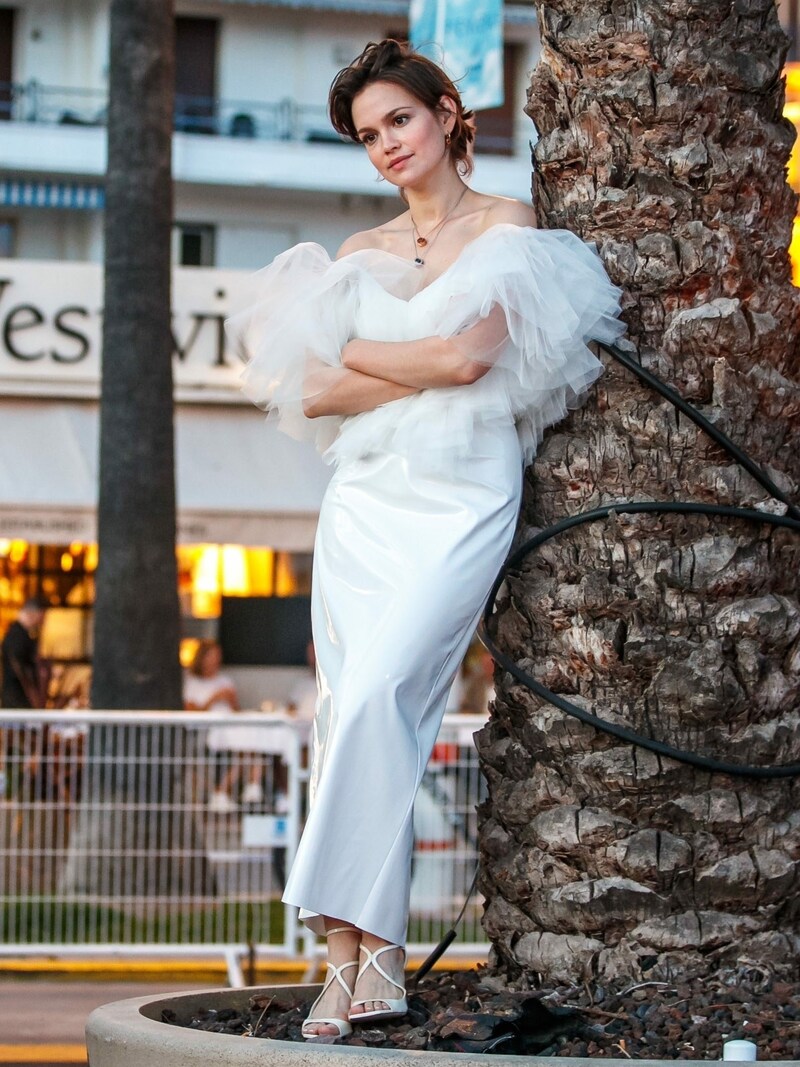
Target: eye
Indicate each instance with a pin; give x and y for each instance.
(368, 139)
(399, 120)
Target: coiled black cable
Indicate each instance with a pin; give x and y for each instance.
(790, 521)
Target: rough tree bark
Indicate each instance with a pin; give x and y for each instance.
(662, 139)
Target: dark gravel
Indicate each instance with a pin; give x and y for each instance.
(469, 1011)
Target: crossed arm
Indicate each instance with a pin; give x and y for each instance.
(377, 372)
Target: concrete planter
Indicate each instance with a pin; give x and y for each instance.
(129, 1033)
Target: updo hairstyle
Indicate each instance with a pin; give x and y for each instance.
(391, 61)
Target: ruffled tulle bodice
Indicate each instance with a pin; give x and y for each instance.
(554, 295)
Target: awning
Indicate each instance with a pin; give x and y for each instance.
(513, 14)
(72, 195)
(239, 481)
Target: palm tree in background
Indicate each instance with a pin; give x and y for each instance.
(137, 620)
(662, 139)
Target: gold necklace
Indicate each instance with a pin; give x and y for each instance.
(425, 242)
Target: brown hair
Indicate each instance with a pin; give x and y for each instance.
(203, 648)
(391, 61)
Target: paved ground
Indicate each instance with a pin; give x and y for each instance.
(41, 1021)
(43, 1012)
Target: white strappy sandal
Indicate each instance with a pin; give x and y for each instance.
(342, 1025)
(395, 1006)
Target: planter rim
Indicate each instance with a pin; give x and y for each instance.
(124, 1033)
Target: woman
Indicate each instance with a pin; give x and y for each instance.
(428, 358)
(206, 688)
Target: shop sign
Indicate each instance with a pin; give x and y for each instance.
(51, 328)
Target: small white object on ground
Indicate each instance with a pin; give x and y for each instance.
(739, 1050)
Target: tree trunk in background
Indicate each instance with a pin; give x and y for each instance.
(137, 621)
(662, 139)
(131, 803)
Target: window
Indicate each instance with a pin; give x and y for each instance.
(63, 577)
(496, 125)
(193, 244)
(196, 74)
(8, 233)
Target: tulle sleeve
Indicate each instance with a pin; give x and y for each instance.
(298, 317)
(526, 302)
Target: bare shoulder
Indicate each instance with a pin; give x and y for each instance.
(381, 237)
(355, 243)
(504, 209)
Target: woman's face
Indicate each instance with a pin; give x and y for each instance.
(404, 139)
(212, 661)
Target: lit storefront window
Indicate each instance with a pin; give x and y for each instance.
(207, 573)
(792, 112)
(63, 577)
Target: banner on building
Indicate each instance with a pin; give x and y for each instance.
(466, 38)
(51, 329)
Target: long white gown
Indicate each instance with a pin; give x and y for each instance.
(418, 517)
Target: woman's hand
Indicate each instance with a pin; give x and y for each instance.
(343, 391)
(428, 363)
(225, 694)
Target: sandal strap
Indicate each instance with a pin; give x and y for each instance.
(372, 961)
(336, 976)
(341, 930)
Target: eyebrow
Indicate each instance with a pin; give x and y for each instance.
(388, 115)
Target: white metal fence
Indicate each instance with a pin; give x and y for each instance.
(171, 833)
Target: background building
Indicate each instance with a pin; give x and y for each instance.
(257, 168)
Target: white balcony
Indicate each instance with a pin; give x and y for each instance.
(60, 133)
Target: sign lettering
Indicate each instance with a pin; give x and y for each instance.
(51, 330)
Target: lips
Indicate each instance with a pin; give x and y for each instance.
(398, 161)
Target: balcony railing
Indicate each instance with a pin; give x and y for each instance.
(283, 120)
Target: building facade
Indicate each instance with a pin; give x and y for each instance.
(257, 169)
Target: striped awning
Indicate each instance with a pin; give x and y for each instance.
(71, 195)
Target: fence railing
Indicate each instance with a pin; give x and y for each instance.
(280, 120)
(171, 833)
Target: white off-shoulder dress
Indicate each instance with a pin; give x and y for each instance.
(419, 514)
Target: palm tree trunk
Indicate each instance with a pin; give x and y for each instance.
(136, 608)
(129, 807)
(662, 139)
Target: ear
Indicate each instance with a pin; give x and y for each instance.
(447, 113)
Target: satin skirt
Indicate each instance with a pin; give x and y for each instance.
(403, 563)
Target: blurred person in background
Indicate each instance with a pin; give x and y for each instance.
(25, 683)
(207, 688)
(24, 672)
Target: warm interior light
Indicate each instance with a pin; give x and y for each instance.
(792, 112)
(18, 551)
(206, 584)
(188, 647)
(67, 561)
(5, 547)
(792, 72)
(794, 251)
(90, 558)
(208, 572)
(261, 568)
(285, 577)
(234, 571)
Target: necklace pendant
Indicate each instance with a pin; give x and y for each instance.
(419, 262)
(422, 241)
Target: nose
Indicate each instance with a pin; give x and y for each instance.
(390, 140)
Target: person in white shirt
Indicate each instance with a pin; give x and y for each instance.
(206, 688)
